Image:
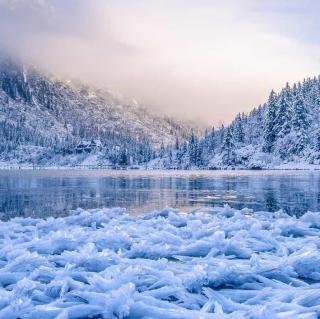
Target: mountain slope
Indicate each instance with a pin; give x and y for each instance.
(46, 118)
(284, 132)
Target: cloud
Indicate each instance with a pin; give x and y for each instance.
(200, 59)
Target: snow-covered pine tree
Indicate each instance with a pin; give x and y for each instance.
(123, 157)
(238, 133)
(269, 132)
(212, 140)
(300, 124)
(282, 123)
(177, 143)
(290, 122)
(228, 154)
(193, 149)
(318, 140)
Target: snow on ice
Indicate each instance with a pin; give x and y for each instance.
(213, 263)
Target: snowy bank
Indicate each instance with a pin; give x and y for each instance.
(213, 263)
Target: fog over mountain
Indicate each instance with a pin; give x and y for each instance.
(202, 60)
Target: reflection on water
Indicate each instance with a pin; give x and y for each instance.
(56, 192)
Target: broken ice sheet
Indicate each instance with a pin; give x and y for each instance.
(210, 263)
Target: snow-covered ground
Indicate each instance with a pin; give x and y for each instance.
(297, 166)
(213, 263)
(92, 162)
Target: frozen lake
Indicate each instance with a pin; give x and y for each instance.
(42, 193)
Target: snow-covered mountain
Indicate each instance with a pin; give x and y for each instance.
(47, 121)
(44, 120)
(282, 133)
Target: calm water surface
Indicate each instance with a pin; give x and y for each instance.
(43, 193)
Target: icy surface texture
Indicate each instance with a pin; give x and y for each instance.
(214, 263)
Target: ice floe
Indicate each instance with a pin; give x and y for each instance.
(212, 263)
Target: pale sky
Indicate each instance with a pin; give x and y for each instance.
(196, 59)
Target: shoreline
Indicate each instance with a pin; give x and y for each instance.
(90, 167)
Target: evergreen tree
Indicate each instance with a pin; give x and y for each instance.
(317, 141)
(123, 158)
(210, 141)
(228, 148)
(300, 120)
(221, 133)
(317, 146)
(177, 144)
(162, 150)
(238, 133)
(300, 124)
(269, 124)
(180, 151)
(282, 123)
(193, 149)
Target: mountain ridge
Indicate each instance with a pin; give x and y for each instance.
(37, 110)
(52, 122)
(282, 133)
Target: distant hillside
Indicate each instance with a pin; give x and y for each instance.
(284, 132)
(46, 121)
